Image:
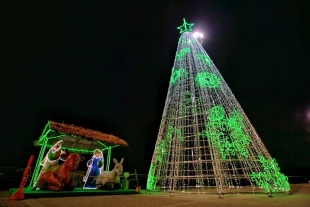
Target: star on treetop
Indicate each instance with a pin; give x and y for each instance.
(185, 27)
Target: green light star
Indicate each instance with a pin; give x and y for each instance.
(185, 27)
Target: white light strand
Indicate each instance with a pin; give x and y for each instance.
(182, 158)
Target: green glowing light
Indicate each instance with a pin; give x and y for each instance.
(180, 39)
(204, 58)
(186, 103)
(177, 132)
(177, 74)
(150, 178)
(75, 150)
(189, 42)
(271, 179)
(189, 105)
(183, 52)
(216, 114)
(185, 27)
(162, 148)
(205, 79)
(205, 139)
(226, 133)
(187, 97)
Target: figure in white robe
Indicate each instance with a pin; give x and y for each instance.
(50, 159)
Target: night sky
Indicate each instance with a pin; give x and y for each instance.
(106, 65)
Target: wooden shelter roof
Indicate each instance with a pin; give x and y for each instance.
(82, 138)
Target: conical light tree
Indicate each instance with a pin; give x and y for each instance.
(205, 139)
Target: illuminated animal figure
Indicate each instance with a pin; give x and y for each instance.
(50, 159)
(111, 179)
(60, 178)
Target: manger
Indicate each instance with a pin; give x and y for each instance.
(76, 140)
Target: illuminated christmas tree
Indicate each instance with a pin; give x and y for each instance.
(205, 140)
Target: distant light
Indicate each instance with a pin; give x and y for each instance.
(308, 115)
(198, 35)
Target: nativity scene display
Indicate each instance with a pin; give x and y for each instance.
(66, 145)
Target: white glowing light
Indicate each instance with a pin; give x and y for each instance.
(198, 35)
(308, 115)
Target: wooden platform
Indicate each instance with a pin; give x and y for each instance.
(29, 193)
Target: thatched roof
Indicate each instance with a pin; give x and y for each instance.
(82, 138)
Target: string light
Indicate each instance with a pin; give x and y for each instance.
(205, 139)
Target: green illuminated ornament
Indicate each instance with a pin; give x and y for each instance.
(176, 74)
(205, 140)
(204, 58)
(161, 151)
(270, 179)
(227, 134)
(205, 79)
(216, 114)
(183, 52)
(185, 27)
(173, 131)
(151, 179)
(180, 40)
